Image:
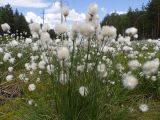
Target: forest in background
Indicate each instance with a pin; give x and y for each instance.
(16, 21)
(19, 25)
(147, 20)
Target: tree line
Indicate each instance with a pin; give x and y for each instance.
(19, 25)
(16, 20)
(146, 20)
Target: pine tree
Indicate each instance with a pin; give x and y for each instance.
(15, 19)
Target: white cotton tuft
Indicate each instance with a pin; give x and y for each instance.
(42, 64)
(131, 31)
(63, 79)
(135, 36)
(22, 76)
(5, 27)
(101, 68)
(34, 27)
(19, 55)
(80, 68)
(63, 53)
(34, 35)
(60, 28)
(45, 27)
(30, 102)
(143, 108)
(50, 69)
(87, 29)
(151, 67)
(12, 60)
(75, 28)
(10, 69)
(14, 43)
(35, 47)
(33, 66)
(31, 87)
(93, 9)
(83, 91)
(45, 37)
(9, 78)
(6, 57)
(28, 40)
(28, 66)
(109, 31)
(134, 64)
(1, 50)
(65, 11)
(129, 81)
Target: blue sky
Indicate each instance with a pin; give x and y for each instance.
(81, 5)
(34, 8)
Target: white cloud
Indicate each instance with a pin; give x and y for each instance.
(103, 9)
(118, 12)
(55, 8)
(32, 16)
(25, 3)
(74, 16)
(53, 16)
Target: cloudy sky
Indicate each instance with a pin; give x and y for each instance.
(32, 9)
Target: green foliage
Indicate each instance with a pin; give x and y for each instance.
(147, 20)
(16, 21)
(105, 101)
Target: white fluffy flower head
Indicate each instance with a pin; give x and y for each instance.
(60, 28)
(31, 87)
(5, 27)
(83, 91)
(131, 31)
(34, 27)
(28, 40)
(101, 68)
(87, 29)
(134, 64)
(129, 81)
(45, 27)
(65, 11)
(93, 9)
(9, 77)
(143, 108)
(151, 67)
(63, 53)
(109, 31)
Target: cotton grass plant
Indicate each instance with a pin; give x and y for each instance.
(89, 73)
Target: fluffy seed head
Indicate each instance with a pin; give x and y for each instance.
(45, 27)
(65, 11)
(131, 31)
(5, 27)
(129, 81)
(151, 67)
(143, 108)
(134, 64)
(109, 31)
(63, 53)
(93, 9)
(87, 29)
(31, 87)
(34, 27)
(9, 77)
(60, 28)
(83, 91)
(28, 40)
